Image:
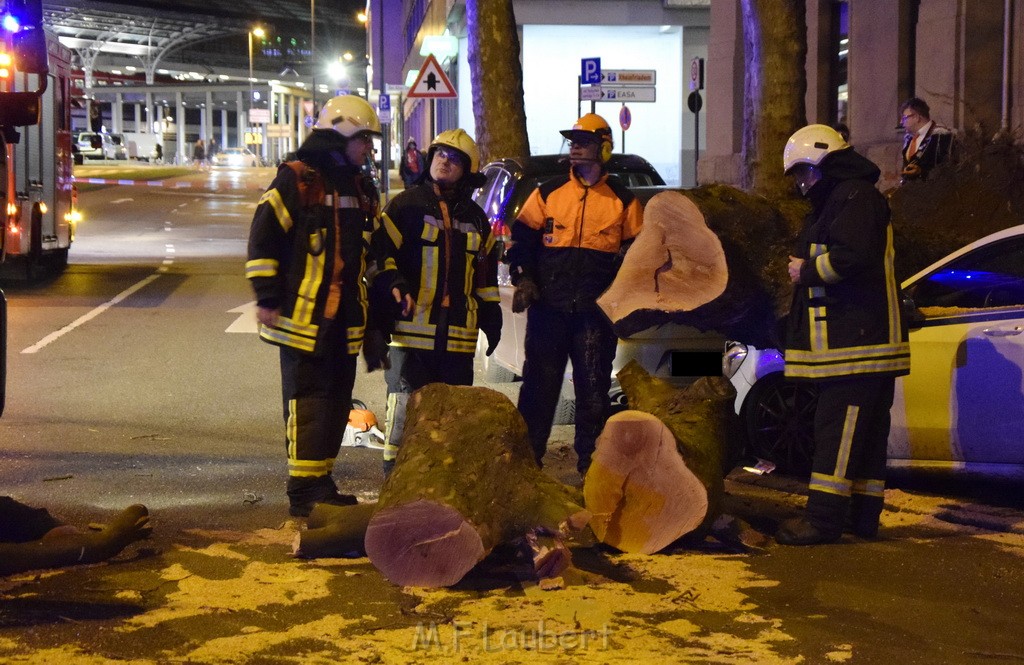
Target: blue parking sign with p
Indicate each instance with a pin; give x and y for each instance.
(591, 71)
(385, 103)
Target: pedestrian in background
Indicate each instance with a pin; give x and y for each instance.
(567, 246)
(845, 333)
(199, 153)
(445, 274)
(413, 164)
(308, 246)
(925, 143)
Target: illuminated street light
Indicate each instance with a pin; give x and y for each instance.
(257, 32)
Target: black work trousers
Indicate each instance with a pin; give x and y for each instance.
(552, 338)
(410, 370)
(317, 396)
(851, 433)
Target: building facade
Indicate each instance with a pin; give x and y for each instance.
(963, 57)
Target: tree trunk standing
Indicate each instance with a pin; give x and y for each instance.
(497, 77)
(775, 39)
(464, 481)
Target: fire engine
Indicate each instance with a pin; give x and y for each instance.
(37, 193)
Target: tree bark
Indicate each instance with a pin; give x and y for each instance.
(699, 418)
(713, 258)
(464, 481)
(497, 76)
(775, 40)
(640, 491)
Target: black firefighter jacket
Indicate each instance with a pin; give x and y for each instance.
(570, 237)
(308, 233)
(845, 319)
(443, 252)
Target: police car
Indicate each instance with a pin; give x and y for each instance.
(962, 405)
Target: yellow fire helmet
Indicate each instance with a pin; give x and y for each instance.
(461, 141)
(349, 115)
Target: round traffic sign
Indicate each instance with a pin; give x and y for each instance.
(625, 117)
(694, 102)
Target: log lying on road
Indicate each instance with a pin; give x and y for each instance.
(699, 418)
(334, 531)
(713, 258)
(464, 481)
(640, 491)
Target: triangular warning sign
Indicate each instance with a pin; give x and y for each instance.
(432, 83)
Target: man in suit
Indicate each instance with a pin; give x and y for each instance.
(925, 143)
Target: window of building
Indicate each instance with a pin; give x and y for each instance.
(839, 93)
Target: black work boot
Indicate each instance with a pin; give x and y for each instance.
(305, 492)
(800, 531)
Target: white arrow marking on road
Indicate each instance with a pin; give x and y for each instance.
(246, 322)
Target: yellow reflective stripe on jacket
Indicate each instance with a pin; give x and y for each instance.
(310, 285)
(393, 233)
(489, 294)
(823, 264)
(261, 268)
(273, 198)
(892, 292)
(818, 329)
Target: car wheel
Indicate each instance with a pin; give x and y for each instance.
(779, 419)
(496, 373)
(565, 412)
(618, 402)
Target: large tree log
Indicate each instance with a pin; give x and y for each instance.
(698, 417)
(334, 531)
(464, 481)
(713, 258)
(640, 491)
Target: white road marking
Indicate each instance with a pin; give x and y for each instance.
(85, 318)
(121, 201)
(246, 322)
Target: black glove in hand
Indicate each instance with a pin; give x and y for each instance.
(526, 294)
(375, 351)
(493, 337)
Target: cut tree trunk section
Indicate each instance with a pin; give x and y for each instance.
(712, 258)
(640, 491)
(464, 481)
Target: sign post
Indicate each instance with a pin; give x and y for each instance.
(384, 113)
(590, 76)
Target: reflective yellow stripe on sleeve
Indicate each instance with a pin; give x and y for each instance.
(273, 199)
(261, 268)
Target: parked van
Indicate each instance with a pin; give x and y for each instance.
(95, 145)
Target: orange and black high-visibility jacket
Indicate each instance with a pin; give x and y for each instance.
(569, 238)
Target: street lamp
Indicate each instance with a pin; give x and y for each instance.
(257, 32)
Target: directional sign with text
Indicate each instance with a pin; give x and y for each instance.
(627, 94)
(629, 77)
(590, 93)
(432, 82)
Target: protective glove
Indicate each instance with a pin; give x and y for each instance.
(493, 336)
(526, 294)
(375, 350)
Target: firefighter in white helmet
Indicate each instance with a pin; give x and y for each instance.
(446, 262)
(307, 251)
(844, 333)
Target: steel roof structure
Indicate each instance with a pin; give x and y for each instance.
(172, 37)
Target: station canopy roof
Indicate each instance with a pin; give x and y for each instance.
(170, 39)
